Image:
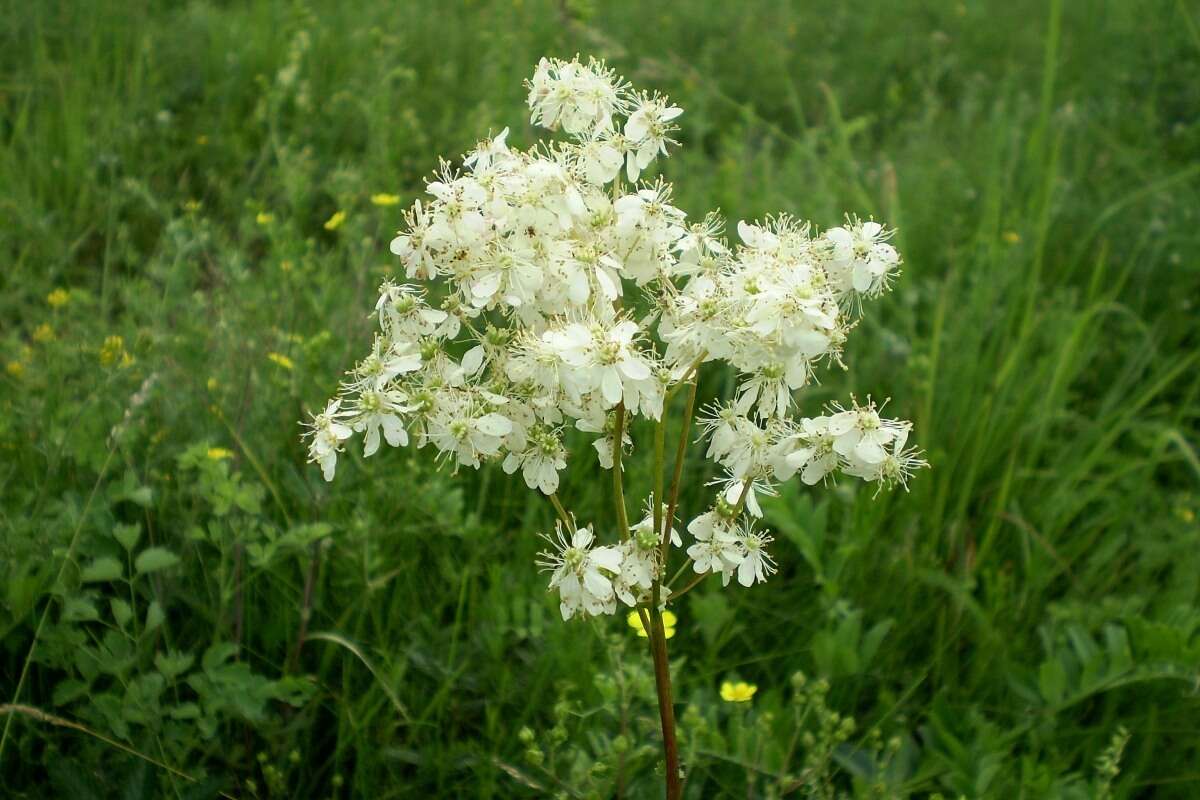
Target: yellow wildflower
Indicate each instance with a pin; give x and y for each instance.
(112, 349)
(15, 368)
(212, 384)
(264, 218)
(219, 453)
(385, 199)
(43, 333)
(281, 360)
(286, 265)
(191, 206)
(1012, 237)
(202, 140)
(668, 617)
(335, 222)
(58, 298)
(739, 692)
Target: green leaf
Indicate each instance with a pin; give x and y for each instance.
(79, 609)
(67, 691)
(154, 559)
(217, 654)
(184, 711)
(154, 617)
(127, 535)
(106, 568)
(121, 611)
(172, 664)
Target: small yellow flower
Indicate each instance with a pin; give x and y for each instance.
(264, 218)
(43, 333)
(739, 692)
(219, 453)
(202, 140)
(281, 360)
(1012, 237)
(668, 617)
(1186, 514)
(335, 222)
(213, 384)
(112, 349)
(191, 206)
(15, 368)
(58, 298)
(385, 199)
(286, 265)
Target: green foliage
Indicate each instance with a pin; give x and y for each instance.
(174, 577)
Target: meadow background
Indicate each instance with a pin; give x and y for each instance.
(174, 299)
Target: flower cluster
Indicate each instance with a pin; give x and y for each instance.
(546, 289)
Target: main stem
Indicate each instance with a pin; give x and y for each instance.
(666, 708)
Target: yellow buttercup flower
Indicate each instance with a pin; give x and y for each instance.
(281, 360)
(668, 617)
(58, 298)
(43, 333)
(335, 222)
(1012, 237)
(112, 349)
(15, 368)
(739, 692)
(202, 140)
(385, 199)
(264, 218)
(219, 453)
(191, 206)
(213, 384)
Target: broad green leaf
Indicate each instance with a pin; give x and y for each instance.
(154, 617)
(127, 535)
(79, 609)
(172, 664)
(68, 691)
(121, 611)
(105, 568)
(154, 559)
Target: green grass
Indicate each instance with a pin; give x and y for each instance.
(1037, 590)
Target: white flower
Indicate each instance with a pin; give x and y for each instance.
(580, 99)
(860, 434)
(327, 431)
(643, 529)
(639, 568)
(460, 430)
(863, 257)
(540, 460)
(380, 410)
(717, 547)
(554, 287)
(599, 160)
(757, 563)
(582, 574)
(648, 132)
(810, 449)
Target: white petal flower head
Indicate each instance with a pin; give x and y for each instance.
(863, 256)
(327, 431)
(757, 563)
(717, 547)
(648, 131)
(582, 574)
